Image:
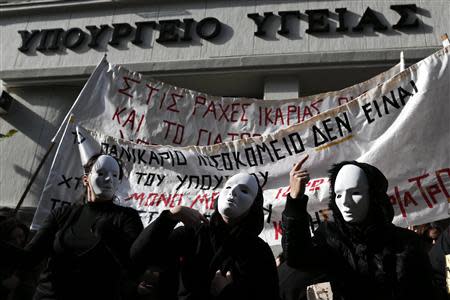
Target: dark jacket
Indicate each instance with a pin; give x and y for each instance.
(8, 268)
(372, 260)
(94, 274)
(207, 248)
(293, 282)
(437, 257)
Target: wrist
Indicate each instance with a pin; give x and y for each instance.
(296, 205)
(294, 195)
(172, 213)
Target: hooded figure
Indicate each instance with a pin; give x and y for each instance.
(13, 284)
(86, 246)
(362, 253)
(441, 272)
(219, 259)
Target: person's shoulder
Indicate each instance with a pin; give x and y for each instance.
(65, 210)
(407, 241)
(326, 229)
(124, 209)
(405, 235)
(60, 215)
(258, 250)
(250, 243)
(328, 233)
(260, 242)
(262, 247)
(124, 213)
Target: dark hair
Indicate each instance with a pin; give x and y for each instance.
(88, 166)
(6, 212)
(8, 224)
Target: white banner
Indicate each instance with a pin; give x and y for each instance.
(122, 104)
(400, 126)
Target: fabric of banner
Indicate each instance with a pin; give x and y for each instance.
(122, 104)
(400, 126)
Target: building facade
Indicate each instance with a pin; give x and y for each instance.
(270, 49)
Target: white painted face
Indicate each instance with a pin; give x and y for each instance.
(352, 193)
(104, 177)
(237, 195)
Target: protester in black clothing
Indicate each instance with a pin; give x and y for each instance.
(13, 231)
(14, 284)
(363, 254)
(440, 269)
(222, 259)
(293, 282)
(87, 245)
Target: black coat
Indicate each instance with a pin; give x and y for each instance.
(203, 250)
(8, 267)
(437, 257)
(94, 274)
(374, 260)
(293, 282)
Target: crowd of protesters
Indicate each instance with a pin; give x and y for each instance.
(99, 250)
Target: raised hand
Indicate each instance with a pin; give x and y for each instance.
(219, 282)
(298, 177)
(188, 216)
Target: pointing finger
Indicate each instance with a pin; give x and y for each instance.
(299, 165)
(300, 172)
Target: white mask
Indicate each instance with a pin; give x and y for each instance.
(352, 193)
(104, 177)
(237, 196)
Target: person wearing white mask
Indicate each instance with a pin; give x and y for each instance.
(361, 252)
(237, 197)
(87, 245)
(220, 259)
(103, 179)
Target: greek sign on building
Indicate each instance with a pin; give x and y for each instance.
(53, 40)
